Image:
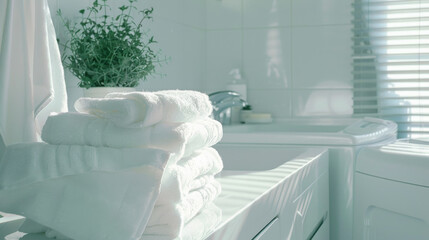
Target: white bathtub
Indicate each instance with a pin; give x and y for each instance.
(343, 137)
(272, 193)
(312, 132)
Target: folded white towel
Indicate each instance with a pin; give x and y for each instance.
(142, 109)
(28, 163)
(202, 224)
(84, 129)
(168, 220)
(82, 192)
(188, 174)
(2, 146)
(22, 236)
(197, 228)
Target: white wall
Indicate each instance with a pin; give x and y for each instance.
(295, 54)
(179, 28)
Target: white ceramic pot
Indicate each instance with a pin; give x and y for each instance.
(100, 92)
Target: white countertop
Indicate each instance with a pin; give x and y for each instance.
(251, 199)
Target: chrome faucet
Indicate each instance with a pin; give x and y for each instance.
(222, 102)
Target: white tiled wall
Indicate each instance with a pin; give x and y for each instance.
(266, 57)
(295, 54)
(224, 52)
(178, 26)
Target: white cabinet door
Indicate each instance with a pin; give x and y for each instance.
(270, 232)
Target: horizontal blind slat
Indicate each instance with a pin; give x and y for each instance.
(358, 38)
(374, 20)
(374, 11)
(371, 80)
(390, 62)
(359, 3)
(384, 63)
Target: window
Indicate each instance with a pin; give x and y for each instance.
(391, 63)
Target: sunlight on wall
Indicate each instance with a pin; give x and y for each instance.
(274, 51)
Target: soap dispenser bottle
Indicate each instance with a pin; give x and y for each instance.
(238, 86)
(237, 83)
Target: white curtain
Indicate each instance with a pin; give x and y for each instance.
(31, 74)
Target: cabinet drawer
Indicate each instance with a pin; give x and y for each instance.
(270, 231)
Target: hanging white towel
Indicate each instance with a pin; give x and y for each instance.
(31, 74)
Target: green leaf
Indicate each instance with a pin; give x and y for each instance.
(123, 8)
(113, 50)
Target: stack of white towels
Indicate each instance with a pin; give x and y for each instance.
(174, 121)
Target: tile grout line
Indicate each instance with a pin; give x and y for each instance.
(204, 83)
(291, 105)
(242, 45)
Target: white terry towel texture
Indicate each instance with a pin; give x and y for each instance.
(197, 228)
(33, 229)
(84, 129)
(201, 225)
(28, 163)
(169, 220)
(82, 192)
(142, 109)
(188, 174)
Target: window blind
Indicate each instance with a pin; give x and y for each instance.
(391, 63)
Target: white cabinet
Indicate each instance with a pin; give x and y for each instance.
(311, 216)
(270, 232)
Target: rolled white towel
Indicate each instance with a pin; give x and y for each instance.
(82, 192)
(189, 174)
(142, 109)
(169, 220)
(84, 129)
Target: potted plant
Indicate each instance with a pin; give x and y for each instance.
(106, 51)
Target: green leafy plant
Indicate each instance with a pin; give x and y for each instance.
(110, 51)
(247, 107)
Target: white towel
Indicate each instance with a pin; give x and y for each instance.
(84, 129)
(168, 220)
(82, 192)
(189, 174)
(142, 109)
(22, 236)
(2, 146)
(197, 228)
(202, 224)
(28, 163)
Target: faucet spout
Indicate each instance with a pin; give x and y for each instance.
(222, 102)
